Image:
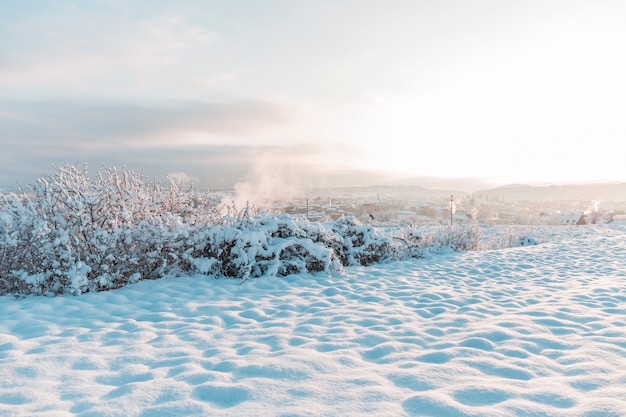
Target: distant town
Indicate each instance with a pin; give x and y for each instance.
(515, 204)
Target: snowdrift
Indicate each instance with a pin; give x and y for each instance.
(527, 331)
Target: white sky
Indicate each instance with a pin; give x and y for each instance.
(503, 91)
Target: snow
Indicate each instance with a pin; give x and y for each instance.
(526, 331)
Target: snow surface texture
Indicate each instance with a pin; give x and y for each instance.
(527, 331)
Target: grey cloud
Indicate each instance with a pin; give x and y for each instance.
(75, 122)
(35, 134)
(214, 166)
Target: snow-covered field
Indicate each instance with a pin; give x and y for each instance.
(529, 331)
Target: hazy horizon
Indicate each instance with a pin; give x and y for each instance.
(461, 94)
(257, 185)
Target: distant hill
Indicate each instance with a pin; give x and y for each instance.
(390, 191)
(508, 193)
(522, 192)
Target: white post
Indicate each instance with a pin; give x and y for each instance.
(451, 208)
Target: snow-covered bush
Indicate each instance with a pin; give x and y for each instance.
(412, 241)
(509, 236)
(278, 245)
(362, 244)
(265, 245)
(526, 241)
(458, 237)
(21, 251)
(70, 233)
(417, 242)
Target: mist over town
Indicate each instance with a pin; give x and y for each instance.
(405, 204)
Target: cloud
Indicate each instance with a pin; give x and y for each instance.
(209, 166)
(210, 141)
(181, 178)
(87, 48)
(88, 124)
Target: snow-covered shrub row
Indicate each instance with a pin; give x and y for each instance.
(72, 234)
(278, 245)
(421, 240)
(263, 245)
(467, 237)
